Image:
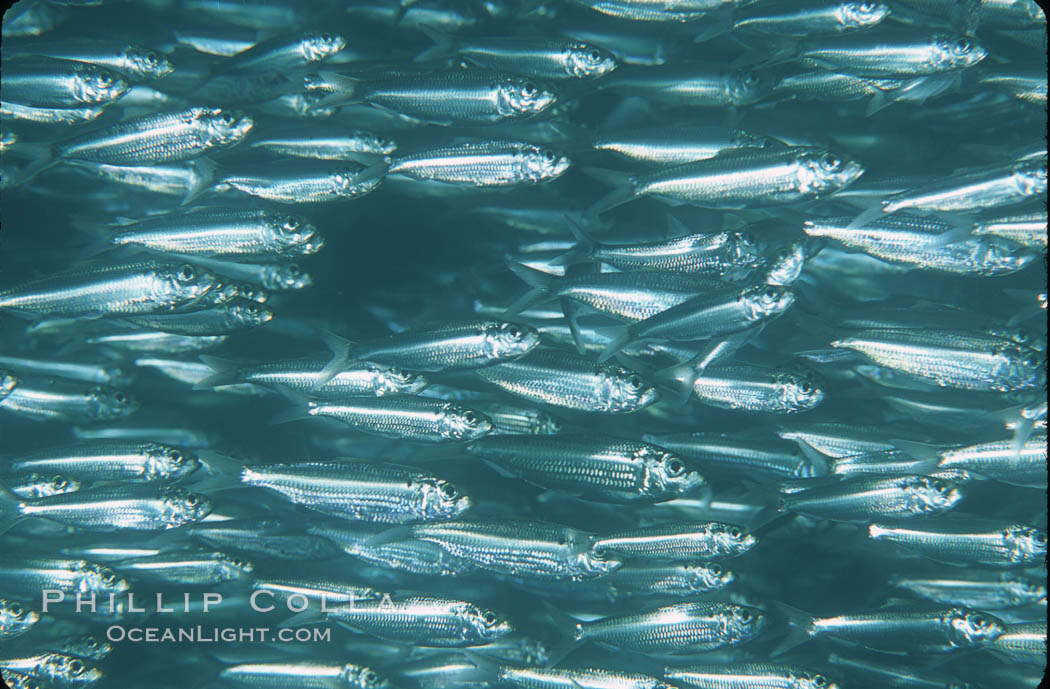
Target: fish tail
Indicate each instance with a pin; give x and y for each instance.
(205, 170)
(582, 250)
(341, 357)
(621, 337)
(444, 46)
(800, 627)
(539, 283)
(224, 372)
(10, 509)
(347, 93)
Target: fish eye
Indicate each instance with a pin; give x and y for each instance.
(291, 223)
(770, 294)
(104, 79)
(16, 610)
(186, 273)
(735, 532)
(529, 89)
(750, 79)
(978, 621)
(489, 618)
(549, 156)
(192, 500)
(227, 118)
(176, 457)
(59, 482)
(595, 55)
(715, 570)
(830, 161)
(963, 46)
(745, 615)
(820, 681)
(514, 331)
(469, 416)
(152, 59)
(1031, 361)
(120, 398)
(293, 270)
(1040, 538)
(371, 677)
(109, 577)
(449, 492)
(675, 467)
(635, 382)
(75, 667)
(805, 387)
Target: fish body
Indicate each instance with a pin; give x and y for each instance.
(483, 164)
(676, 629)
(678, 542)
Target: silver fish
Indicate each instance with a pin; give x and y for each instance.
(691, 85)
(135, 62)
(877, 53)
(188, 567)
(44, 399)
(324, 144)
(110, 461)
(588, 678)
(303, 181)
(361, 490)
(424, 621)
(54, 669)
(303, 375)
(592, 467)
(974, 189)
(91, 372)
(658, 579)
(660, 10)
(540, 57)
(110, 290)
(804, 19)
(222, 232)
(571, 381)
(740, 455)
(403, 417)
(26, 577)
(678, 145)
(302, 673)
(234, 316)
(981, 589)
(493, 163)
(530, 550)
(866, 499)
(969, 542)
(42, 82)
(679, 628)
(1025, 228)
(1022, 643)
(749, 675)
(159, 138)
(279, 53)
(113, 508)
(40, 485)
(757, 388)
(15, 619)
(678, 542)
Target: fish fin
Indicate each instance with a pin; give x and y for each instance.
(620, 337)
(800, 624)
(539, 282)
(614, 199)
(581, 251)
(346, 95)
(498, 469)
(872, 212)
(878, 102)
(922, 451)
(675, 227)
(612, 178)
(722, 24)
(224, 372)
(487, 666)
(294, 414)
(10, 509)
(572, 314)
(342, 353)
(392, 535)
(920, 89)
(205, 169)
(223, 472)
(303, 618)
(42, 158)
(444, 46)
(821, 463)
(960, 231)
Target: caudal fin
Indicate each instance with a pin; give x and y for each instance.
(10, 509)
(581, 251)
(800, 626)
(619, 337)
(224, 372)
(537, 280)
(444, 46)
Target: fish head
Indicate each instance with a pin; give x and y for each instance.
(522, 97)
(1030, 176)
(592, 560)
(15, 618)
(933, 494)
(545, 424)
(1023, 591)
(537, 164)
(730, 539)
(285, 277)
(763, 302)
(973, 628)
(822, 172)
(1025, 367)
(362, 678)
(396, 381)
(293, 232)
(57, 485)
(485, 625)
(101, 579)
(785, 267)
(667, 474)
(90, 646)
(1025, 543)
(315, 47)
(956, 52)
(743, 139)
(812, 680)
(745, 86)
(707, 577)
(745, 249)
(111, 403)
(183, 507)
(246, 291)
(146, 64)
(995, 257)
(582, 60)
(374, 143)
(461, 423)
(225, 127)
(502, 341)
(742, 622)
(167, 463)
(8, 383)
(184, 283)
(69, 671)
(443, 500)
(233, 568)
(798, 390)
(623, 390)
(859, 15)
(93, 84)
(249, 314)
